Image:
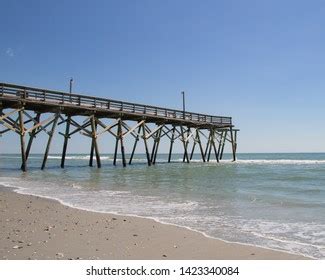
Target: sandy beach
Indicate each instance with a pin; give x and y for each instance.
(38, 228)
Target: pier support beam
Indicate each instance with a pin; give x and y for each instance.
(207, 148)
(135, 144)
(233, 144)
(222, 143)
(198, 140)
(209, 145)
(66, 138)
(171, 144)
(32, 135)
(116, 142)
(185, 145)
(22, 140)
(92, 148)
(213, 133)
(155, 146)
(146, 144)
(51, 133)
(94, 140)
(122, 144)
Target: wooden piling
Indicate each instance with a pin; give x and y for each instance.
(135, 145)
(200, 145)
(157, 145)
(145, 144)
(22, 140)
(185, 146)
(223, 145)
(122, 144)
(91, 156)
(65, 143)
(32, 135)
(94, 135)
(171, 144)
(116, 142)
(193, 148)
(220, 143)
(232, 145)
(210, 146)
(49, 140)
(214, 145)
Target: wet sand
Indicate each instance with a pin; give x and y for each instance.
(38, 228)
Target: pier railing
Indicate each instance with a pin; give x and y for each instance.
(85, 101)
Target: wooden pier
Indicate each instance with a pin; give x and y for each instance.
(22, 110)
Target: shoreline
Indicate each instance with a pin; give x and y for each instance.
(34, 227)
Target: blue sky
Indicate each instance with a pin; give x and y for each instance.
(261, 62)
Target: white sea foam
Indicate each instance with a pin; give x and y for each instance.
(79, 157)
(263, 161)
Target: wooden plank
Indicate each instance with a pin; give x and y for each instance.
(108, 128)
(48, 120)
(154, 131)
(130, 130)
(4, 116)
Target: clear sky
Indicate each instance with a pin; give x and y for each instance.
(261, 62)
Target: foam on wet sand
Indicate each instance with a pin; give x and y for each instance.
(38, 228)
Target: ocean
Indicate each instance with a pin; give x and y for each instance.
(273, 201)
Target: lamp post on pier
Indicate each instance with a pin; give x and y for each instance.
(183, 93)
(70, 88)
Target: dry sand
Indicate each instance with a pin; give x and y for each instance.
(38, 228)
